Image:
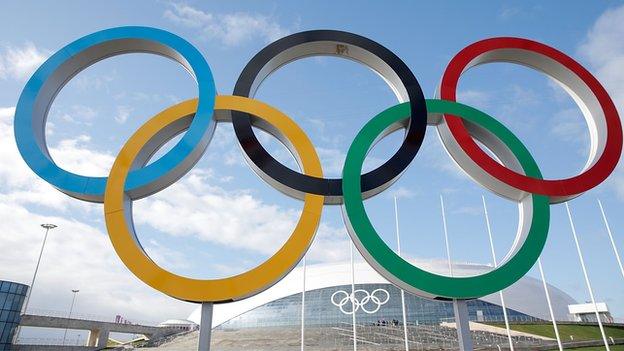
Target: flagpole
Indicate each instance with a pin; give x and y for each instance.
(489, 230)
(303, 306)
(460, 307)
(353, 298)
(550, 309)
(396, 221)
(446, 240)
(615, 250)
(591, 292)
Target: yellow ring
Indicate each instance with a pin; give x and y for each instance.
(260, 278)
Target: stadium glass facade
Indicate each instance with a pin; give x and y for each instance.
(12, 297)
(277, 323)
(320, 311)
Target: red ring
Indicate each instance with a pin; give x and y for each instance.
(568, 187)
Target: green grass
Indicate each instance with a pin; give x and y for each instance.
(580, 332)
(600, 348)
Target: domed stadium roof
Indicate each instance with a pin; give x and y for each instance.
(525, 296)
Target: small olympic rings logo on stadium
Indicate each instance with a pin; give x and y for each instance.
(509, 170)
(360, 299)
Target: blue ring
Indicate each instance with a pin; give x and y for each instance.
(30, 136)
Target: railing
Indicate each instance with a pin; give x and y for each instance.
(163, 340)
(501, 319)
(86, 317)
(421, 337)
(52, 341)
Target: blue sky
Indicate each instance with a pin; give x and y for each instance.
(221, 218)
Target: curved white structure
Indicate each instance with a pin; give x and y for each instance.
(525, 296)
(182, 323)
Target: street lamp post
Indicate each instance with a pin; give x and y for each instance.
(47, 227)
(71, 308)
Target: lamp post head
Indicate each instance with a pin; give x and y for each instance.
(75, 291)
(48, 226)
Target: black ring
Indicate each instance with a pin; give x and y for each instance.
(345, 45)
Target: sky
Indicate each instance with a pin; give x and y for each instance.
(221, 219)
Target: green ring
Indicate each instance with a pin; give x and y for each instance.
(399, 271)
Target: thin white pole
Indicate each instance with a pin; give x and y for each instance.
(460, 307)
(550, 309)
(489, 230)
(446, 239)
(303, 306)
(205, 329)
(396, 221)
(71, 308)
(32, 282)
(591, 292)
(353, 298)
(615, 250)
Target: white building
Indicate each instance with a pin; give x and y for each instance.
(586, 312)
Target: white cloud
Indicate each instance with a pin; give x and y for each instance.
(226, 179)
(79, 114)
(166, 256)
(604, 49)
(524, 12)
(519, 98)
(509, 12)
(509, 105)
(73, 155)
(318, 124)
(234, 157)
(123, 112)
(78, 255)
(568, 125)
(468, 210)
(90, 81)
(333, 160)
(231, 29)
(20, 62)
(244, 222)
(599, 47)
(17, 181)
(435, 157)
(617, 180)
(477, 98)
(400, 192)
(331, 244)
(19, 184)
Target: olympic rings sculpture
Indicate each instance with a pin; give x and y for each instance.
(356, 303)
(516, 177)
